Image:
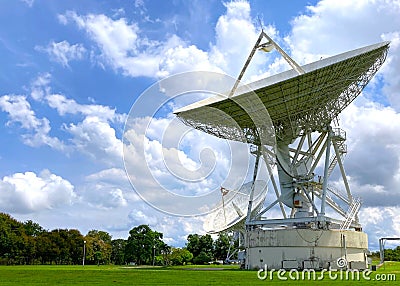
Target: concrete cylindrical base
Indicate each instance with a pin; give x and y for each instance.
(306, 249)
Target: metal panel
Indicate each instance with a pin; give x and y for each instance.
(294, 102)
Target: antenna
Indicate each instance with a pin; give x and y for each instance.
(267, 46)
(260, 23)
(302, 104)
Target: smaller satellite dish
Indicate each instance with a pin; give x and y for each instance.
(232, 212)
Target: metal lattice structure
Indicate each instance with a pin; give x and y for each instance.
(294, 102)
(286, 119)
(231, 214)
(273, 113)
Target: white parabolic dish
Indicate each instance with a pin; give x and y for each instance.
(231, 214)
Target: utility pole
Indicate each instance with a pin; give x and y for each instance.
(84, 253)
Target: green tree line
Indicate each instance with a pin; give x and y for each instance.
(390, 254)
(29, 243)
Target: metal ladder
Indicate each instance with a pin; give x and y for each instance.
(339, 138)
(351, 213)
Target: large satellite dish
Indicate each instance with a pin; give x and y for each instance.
(302, 103)
(294, 101)
(231, 214)
(299, 102)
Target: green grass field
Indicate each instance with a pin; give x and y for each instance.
(187, 275)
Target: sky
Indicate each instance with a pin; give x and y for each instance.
(72, 70)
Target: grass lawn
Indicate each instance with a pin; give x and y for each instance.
(186, 275)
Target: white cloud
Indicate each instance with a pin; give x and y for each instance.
(336, 26)
(40, 86)
(28, 192)
(41, 91)
(19, 111)
(170, 166)
(65, 105)
(333, 27)
(97, 139)
(123, 46)
(112, 175)
(235, 37)
(391, 69)
(63, 52)
(93, 136)
(380, 222)
(109, 189)
(372, 129)
(101, 196)
(118, 42)
(181, 58)
(28, 2)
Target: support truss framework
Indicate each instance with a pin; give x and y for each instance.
(296, 135)
(305, 194)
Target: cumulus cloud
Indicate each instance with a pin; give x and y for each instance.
(97, 139)
(19, 111)
(63, 52)
(40, 86)
(151, 152)
(332, 26)
(92, 131)
(390, 72)
(169, 164)
(380, 222)
(65, 105)
(28, 192)
(180, 58)
(124, 47)
(118, 41)
(373, 129)
(93, 136)
(41, 91)
(109, 188)
(235, 36)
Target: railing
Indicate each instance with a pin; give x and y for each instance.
(351, 213)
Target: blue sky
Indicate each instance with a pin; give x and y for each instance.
(71, 70)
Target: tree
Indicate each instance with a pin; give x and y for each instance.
(201, 246)
(31, 231)
(48, 248)
(118, 251)
(98, 247)
(74, 239)
(207, 245)
(180, 256)
(193, 244)
(104, 236)
(202, 258)
(221, 246)
(143, 245)
(392, 254)
(33, 228)
(12, 240)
